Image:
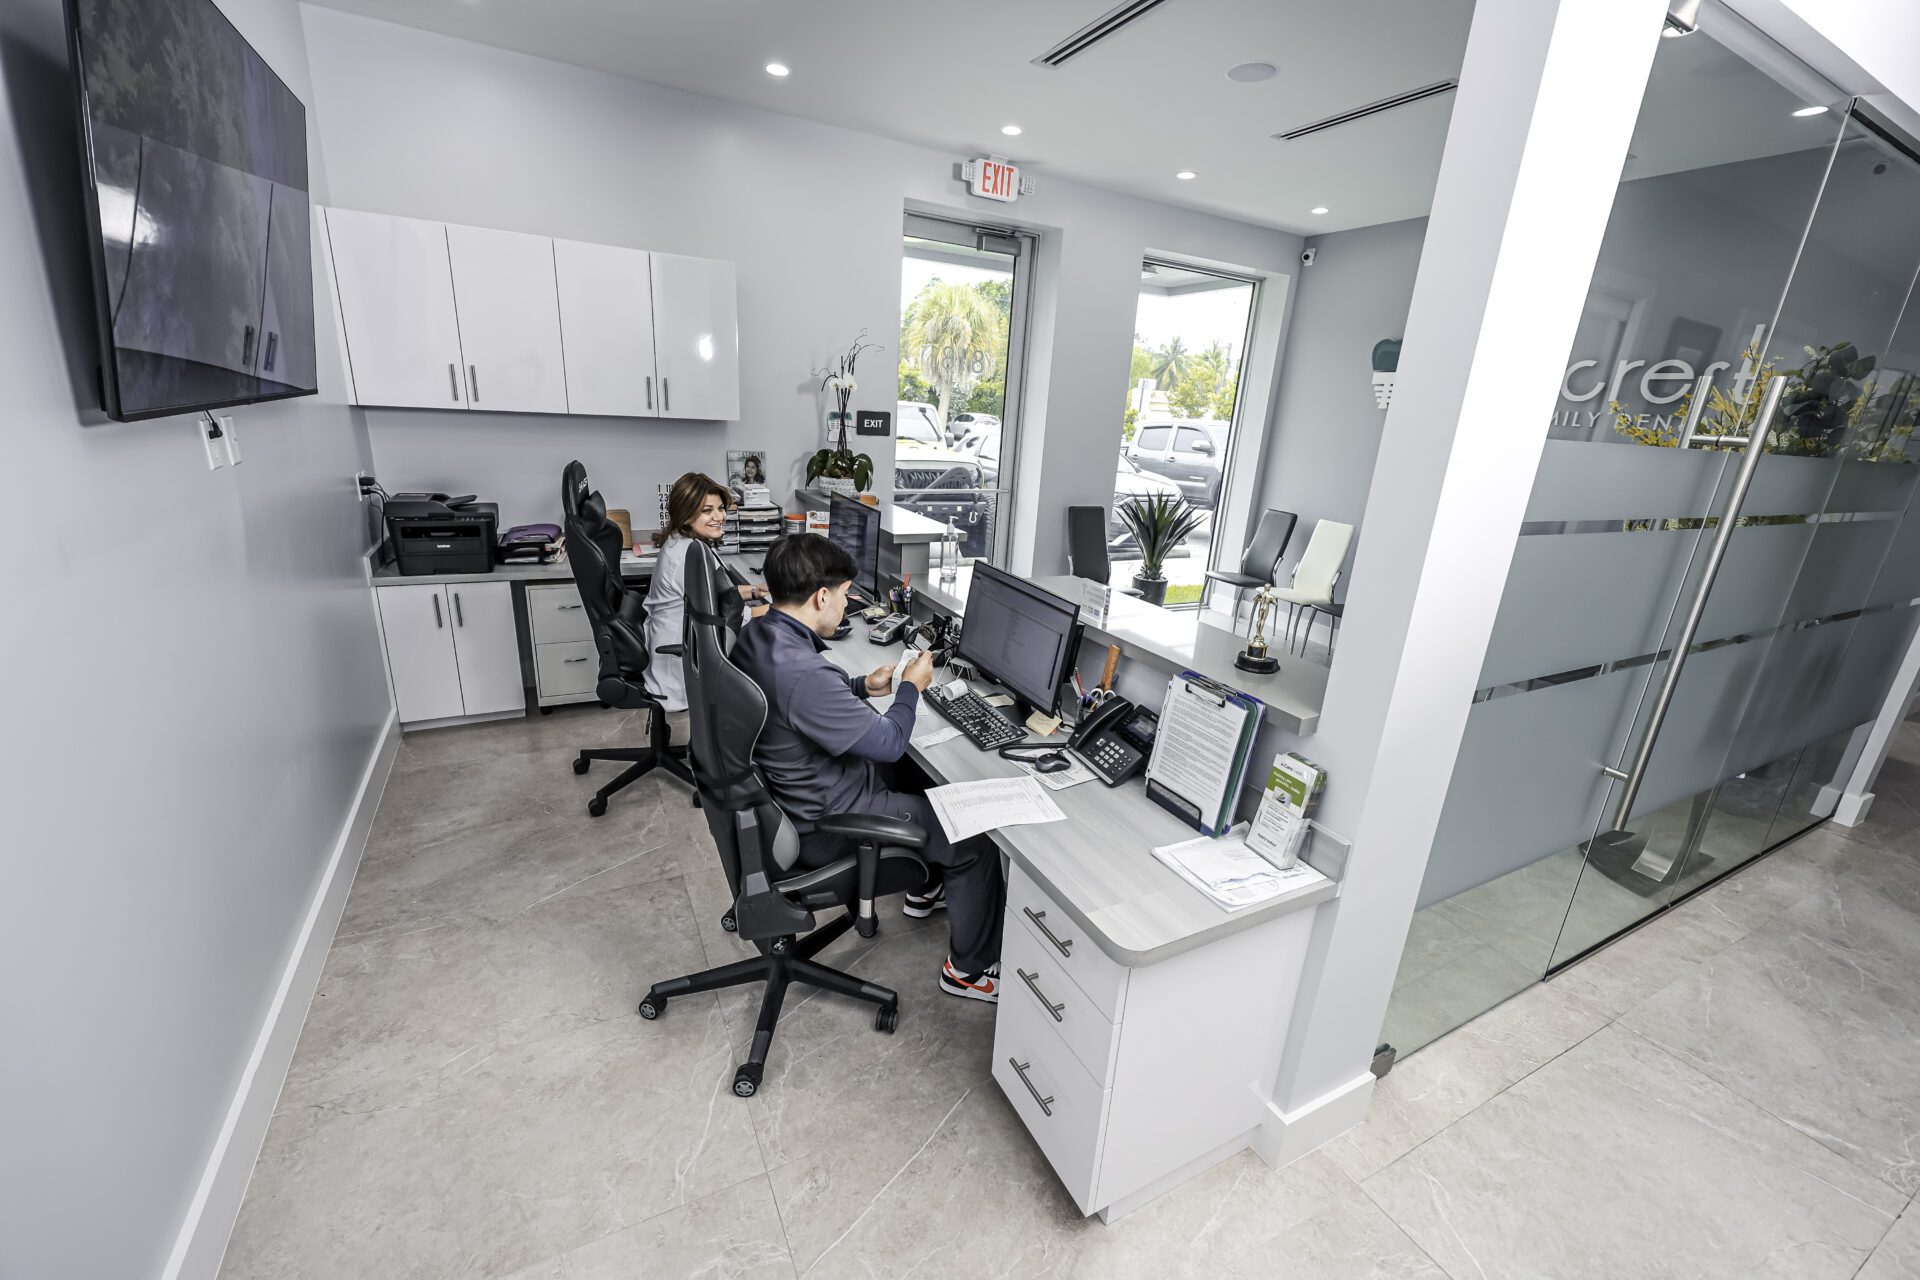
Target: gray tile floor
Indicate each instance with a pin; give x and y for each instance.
(1726, 1092)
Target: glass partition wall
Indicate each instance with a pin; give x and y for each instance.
(1719, 570)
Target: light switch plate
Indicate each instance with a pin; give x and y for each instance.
(233, 441)
(216, 449)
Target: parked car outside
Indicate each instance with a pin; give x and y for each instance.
(1190, 454)
(965, 424)
(942, 484)
(1128, 480)
(917, 422)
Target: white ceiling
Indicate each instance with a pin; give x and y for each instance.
(1128, 114)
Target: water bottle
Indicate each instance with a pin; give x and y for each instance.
(950, 553)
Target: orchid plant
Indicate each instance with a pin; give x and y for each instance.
(839, 461)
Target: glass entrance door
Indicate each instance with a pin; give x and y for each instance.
(1706, 598)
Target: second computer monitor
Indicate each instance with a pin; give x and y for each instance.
(1019, 635)
(855, 528)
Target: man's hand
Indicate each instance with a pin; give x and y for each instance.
(918, 671)
(880, 682)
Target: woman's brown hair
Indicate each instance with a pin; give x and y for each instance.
(684, 500)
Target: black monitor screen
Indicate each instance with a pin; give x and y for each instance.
(196, 157)
(855, 527)
(1018, 634)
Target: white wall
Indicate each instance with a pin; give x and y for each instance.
(1325, 430)
(427, 126)
(194, 689)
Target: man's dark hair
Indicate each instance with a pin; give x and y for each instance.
(801, 563)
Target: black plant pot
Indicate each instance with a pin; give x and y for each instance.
(1153, 589)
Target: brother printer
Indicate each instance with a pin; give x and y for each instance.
(433, 533)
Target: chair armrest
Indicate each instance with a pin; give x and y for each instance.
(875, 828)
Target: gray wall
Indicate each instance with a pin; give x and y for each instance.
(194, 690)
(427, 126)
(1325, 429)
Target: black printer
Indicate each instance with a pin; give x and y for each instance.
(433, 533)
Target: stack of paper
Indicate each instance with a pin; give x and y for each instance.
(966, 809)
(1230, 873)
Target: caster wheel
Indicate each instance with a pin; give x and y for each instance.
(603, 706)
(580, 764)
(746, 1081)
(866, 926)
(886, 1018)
(546, 711)
(651, 1008)
(596, 807)
(728, 923)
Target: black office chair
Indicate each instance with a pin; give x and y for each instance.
(773, 898)
(1263, 555)
(1087, 545)
(619, 620)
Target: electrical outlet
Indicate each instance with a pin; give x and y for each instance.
(233, 441)
(216, 447)
(360, 479)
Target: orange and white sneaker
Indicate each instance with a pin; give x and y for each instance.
(971, 986)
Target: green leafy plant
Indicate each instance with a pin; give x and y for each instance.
(1821, 397)
(1159, 523)
(838, 461)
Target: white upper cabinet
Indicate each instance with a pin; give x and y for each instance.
(396, 305)
(503, 289)
(606, 315)
(696, 337)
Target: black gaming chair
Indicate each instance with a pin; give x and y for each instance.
(773, 897)
(619, 620)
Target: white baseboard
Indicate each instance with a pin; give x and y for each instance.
(202, 1242)
(1285, 1136)
(1849, 810)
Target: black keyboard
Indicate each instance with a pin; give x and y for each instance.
(986, 727)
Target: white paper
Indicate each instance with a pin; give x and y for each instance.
(1095, 598)
(1072, 776)
(1228, 872)
(934, 734)
(1196, 747)
(966, 809)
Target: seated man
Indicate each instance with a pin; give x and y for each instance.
(823, 744)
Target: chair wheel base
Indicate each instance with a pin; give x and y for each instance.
(580, 764)
(886, 1018)
(596, 807)
(866, 926)
(746, 1080)
(652, 1007)
(730, 924)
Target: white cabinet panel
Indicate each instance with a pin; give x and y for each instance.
(420, 652)
(396, 305)
(696, 339)
(489, 649)
(606, 323)
(509, 320)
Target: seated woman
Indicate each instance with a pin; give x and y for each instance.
(696, 508)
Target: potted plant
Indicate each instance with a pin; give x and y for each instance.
(1158, 523)
(837, 468)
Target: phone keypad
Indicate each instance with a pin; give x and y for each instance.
(1110, 758)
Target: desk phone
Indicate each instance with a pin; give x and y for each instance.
(1115, 739)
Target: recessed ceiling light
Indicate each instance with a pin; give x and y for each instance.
(1186, 175)
(1252, 72)
(1011, 130)
(1319, 208)
(1811, 111)
(779, 69)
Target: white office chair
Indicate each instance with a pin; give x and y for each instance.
(1316, 574)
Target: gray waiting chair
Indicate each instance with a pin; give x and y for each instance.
(1087, 546)
(1263, 555)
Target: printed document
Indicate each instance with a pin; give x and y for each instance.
(968, 808)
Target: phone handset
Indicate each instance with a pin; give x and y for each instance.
(1107, 715)
(1114, 739)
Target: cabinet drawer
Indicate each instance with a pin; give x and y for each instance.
(556, 615)
(1066, 945)
(566, 668)
(1031, 975)
(1058, 1101)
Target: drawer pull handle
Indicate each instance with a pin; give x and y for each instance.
(565, 607)
(1020, 1069)
(1033, 985)
(1039, 919)
(573, 659)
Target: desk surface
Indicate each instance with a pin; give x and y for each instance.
(1099, 863)
(1177, 639)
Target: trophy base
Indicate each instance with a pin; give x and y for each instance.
(1260, 664)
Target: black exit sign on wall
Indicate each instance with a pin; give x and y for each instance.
(872, 422)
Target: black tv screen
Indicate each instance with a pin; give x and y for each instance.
(196, 166)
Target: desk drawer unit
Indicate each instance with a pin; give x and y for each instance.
(566, 666)
(1061, 1105)
(556, 614)
(566, 669)
(1064, 942)
(1031, 974)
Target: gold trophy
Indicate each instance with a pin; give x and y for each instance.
(1255, 656)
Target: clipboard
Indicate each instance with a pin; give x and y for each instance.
(1201, 749)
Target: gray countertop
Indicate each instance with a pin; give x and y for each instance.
(1099, 863)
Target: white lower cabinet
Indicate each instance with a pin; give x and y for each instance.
(452, 649)
(566, 665)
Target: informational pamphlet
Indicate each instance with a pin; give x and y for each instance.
(1280, 827)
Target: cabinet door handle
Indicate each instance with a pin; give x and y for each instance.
(453, 382)
(666, 394)
(1039, 919)
(1020, 1069)
(438, 621)
(649, 391)
(565, 608)
(1033, 985)
(459, 614)
(573, 659)
(473, 383)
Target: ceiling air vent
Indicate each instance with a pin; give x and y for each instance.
(1096, 31)
(1371, 109)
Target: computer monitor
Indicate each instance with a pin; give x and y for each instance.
(1019, 635)
(855, 528)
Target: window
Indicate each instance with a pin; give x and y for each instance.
(917, 424)
(1154, 439)
(1193, 440)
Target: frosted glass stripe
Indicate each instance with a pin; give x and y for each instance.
(1874, 486)
(1788, 486)
(1841, 569)
(1707, 709)
(1900, 575)
(1598, 480)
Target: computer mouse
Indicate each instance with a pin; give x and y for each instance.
(1055, 762)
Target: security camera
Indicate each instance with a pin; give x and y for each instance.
(1307, 256)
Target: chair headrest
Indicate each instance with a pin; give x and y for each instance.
(573, 487)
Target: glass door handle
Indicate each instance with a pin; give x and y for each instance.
(1722, 535)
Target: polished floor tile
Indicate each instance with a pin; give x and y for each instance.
(1898, 1256)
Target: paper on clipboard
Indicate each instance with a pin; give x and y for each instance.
(1201, 745)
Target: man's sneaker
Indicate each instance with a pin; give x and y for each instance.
(971, 986)
(920, 906)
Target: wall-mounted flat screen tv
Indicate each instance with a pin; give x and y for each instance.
(195, 156)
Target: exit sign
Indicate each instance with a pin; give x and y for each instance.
(993, 178)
